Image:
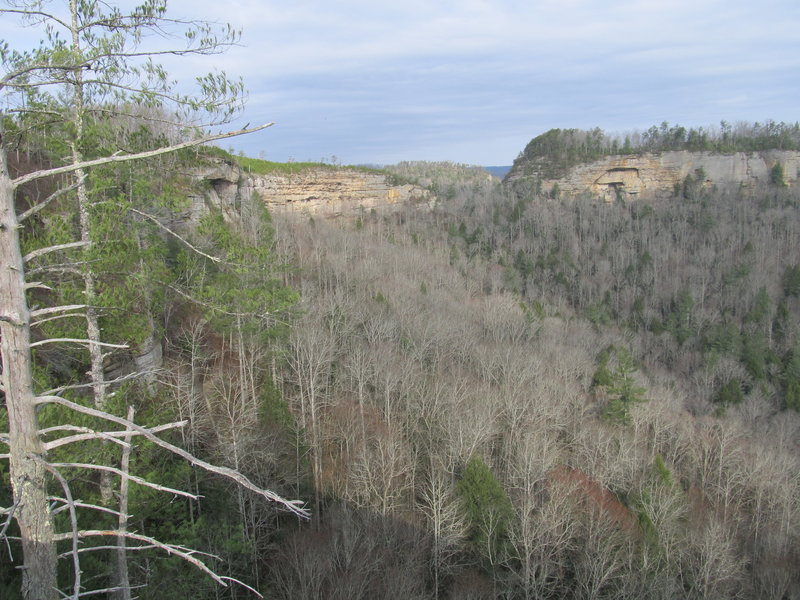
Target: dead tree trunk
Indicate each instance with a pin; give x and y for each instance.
(30, 509)
(122, 580)
(28, 464)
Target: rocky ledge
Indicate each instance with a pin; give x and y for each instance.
(333, 192)
(326, 192)
(656, 174)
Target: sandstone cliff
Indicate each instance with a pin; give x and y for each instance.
(325, 192)
(655, 174)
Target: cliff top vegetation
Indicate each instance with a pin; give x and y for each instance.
(260, 166)
(553, 153)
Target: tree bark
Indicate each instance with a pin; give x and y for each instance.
(122, 581)
(27, 471)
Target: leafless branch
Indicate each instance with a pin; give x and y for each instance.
(88, 434)
(80, 504)
(10, 512)
(81, 438)
(135, 156)
(77, 386)
(294, 506)
(24, 85)
(56, 318)
(73, 518)
(241, 583)
(8, 79)
(27, 110)
(155, 429)
(56, 309)
(134, 478)
(175, 235)
(34, 13)
(42, 251)
(180, 549)
(186, 554)
(108, 590)
(115, 547)
(75, 341)
(54, 196)
(70, 267)
(122, 521)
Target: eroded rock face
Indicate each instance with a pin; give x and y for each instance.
(323, 192)
(147, 359)
(332, 193)
(655, 175)
(220, 189)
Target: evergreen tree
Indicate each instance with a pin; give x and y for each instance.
(776, 175)
(488, 510)
(791, 379)
(730, 393)
(622, 388)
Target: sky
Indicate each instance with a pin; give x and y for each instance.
(473, 81)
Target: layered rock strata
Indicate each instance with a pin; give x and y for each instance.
(655, 175)
(332, 193)
(316, 191)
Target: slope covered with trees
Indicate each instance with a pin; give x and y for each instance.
(461, 420)
(523, 432)
(499, 397)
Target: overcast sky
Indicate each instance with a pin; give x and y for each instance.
(473, 81)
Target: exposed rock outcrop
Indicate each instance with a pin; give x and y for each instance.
(327, 192)
(147, 358)
(333, 192)
(656, 174)
(220, 183)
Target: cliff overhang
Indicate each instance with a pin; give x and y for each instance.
(655, 175)
(316, 191)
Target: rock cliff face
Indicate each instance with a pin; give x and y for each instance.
(331, 193)
(655, 175)
(317, 191)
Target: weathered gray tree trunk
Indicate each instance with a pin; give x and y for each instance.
(27, 468)
(121, 579)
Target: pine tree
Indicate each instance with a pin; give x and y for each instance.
(623, 390)
(488, 509)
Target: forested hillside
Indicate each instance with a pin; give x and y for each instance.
(482, 396)
(496, 398)
(544, 399)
